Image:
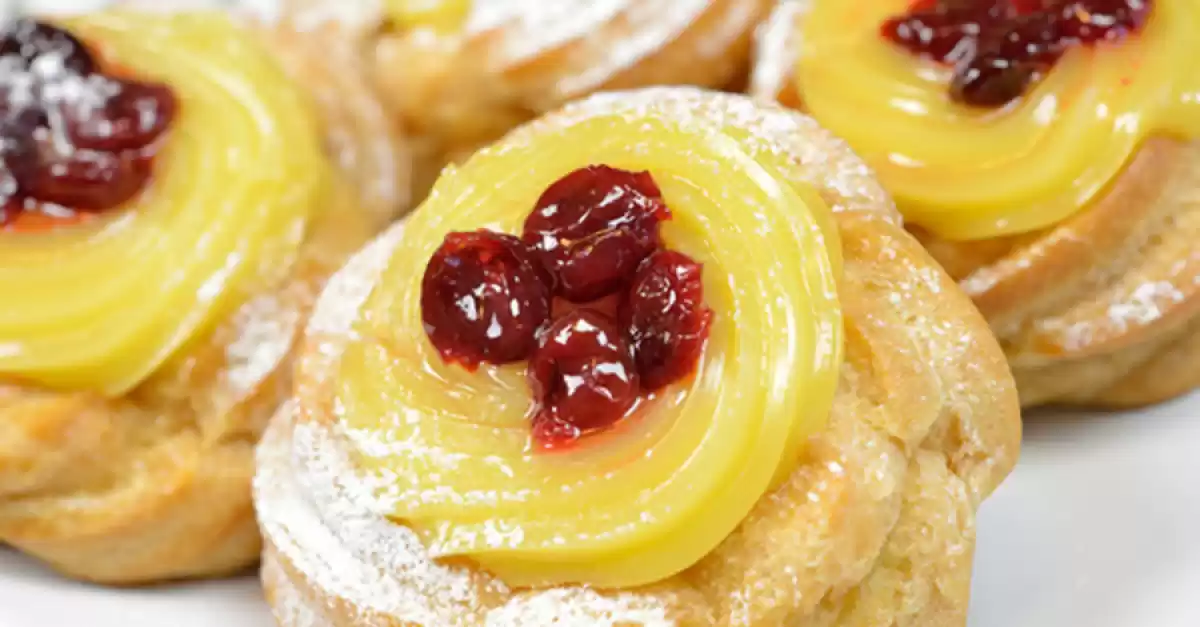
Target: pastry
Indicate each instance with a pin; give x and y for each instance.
(171, 203)
(1045, 152)
(662, 357)
(460, 73)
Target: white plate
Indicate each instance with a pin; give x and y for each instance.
(1098, 527)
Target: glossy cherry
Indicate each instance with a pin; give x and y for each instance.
(593, 227)
(666, 318)
(1000, 47)
(131, 119)
(30, 39)
(86, 180)
(75, 137)
(583, 377)
(483, 299)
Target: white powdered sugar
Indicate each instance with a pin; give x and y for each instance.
(776, 49)
(531, 28)
(266, 330)
(47, 85)
(604, 37)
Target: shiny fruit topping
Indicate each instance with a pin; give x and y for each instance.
(131, 119)
(85, 180)
(30, 40)
(666, 318)
(483, 299)
(593, 227)
(583, 377)
(72, 136)
(1000, 47)
(592, 239)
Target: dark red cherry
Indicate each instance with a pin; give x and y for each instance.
(1102, 20)
(944, 31)
(85, 180)
(131, 119)
(666, 318)
(991, 81)
(31, 39)
(483, 299)
(10, 199)
(1000, 47)
(18, 161)
(593, 227)
(582, 375)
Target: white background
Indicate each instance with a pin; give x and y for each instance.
(1098, 527)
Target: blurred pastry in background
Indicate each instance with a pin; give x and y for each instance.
(1046, 154)
(460, 73)
(171, 202)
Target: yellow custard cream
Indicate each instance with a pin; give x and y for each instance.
(966, 173)
(439, 15)
(98, 306)
(655, 494)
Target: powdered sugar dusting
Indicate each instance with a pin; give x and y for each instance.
(577, 606)
(776, 49)
(266, 327)
(47, 85)
(592, 40)
(535, 25)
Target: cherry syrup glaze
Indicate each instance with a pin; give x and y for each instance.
(70, 135)
(484, 297)
(589, 295)
(593, 227)
(583, 377)
(1001, 47)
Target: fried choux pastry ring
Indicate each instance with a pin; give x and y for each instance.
(170, 212)
(663, 357)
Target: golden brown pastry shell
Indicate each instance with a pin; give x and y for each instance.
(1102, 309)
(155, 484)
(875, 526)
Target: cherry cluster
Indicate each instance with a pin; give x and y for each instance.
(1000, 47)
(70, 135)
(588, 295)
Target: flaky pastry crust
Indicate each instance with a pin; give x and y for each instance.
(1102, 309)
(515, 59)
(156, 484)
(875, 526)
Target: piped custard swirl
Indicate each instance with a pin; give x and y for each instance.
(966, 173)
(652, 495)
(98, 306)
